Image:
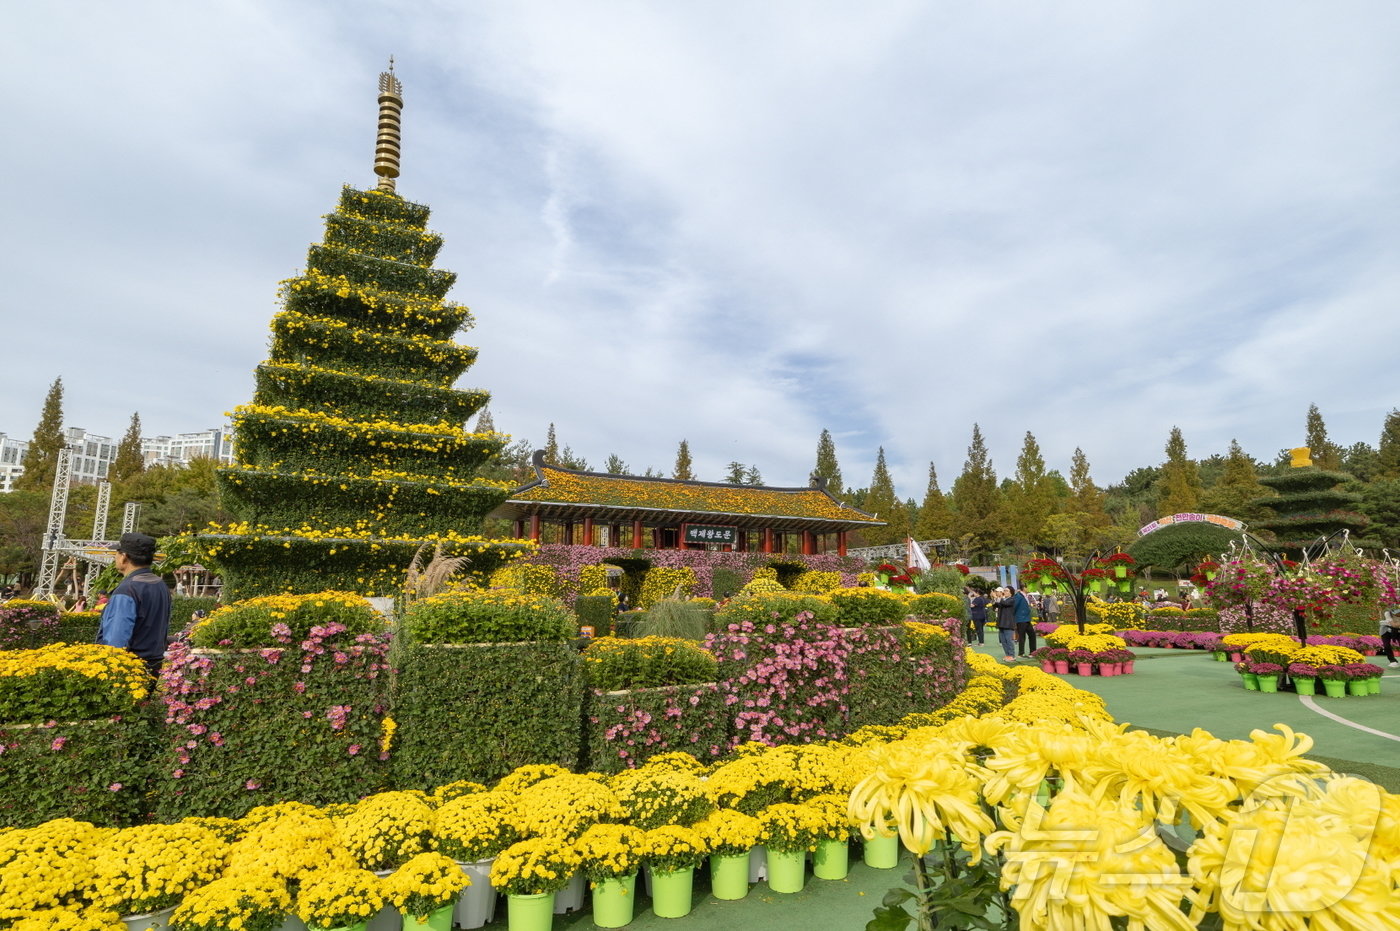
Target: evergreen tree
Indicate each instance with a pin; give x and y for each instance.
(827, 465)
(485, 423)
(1360, 459)
(1085, 509)
(753, 476)
(615, 465)
(735, 475)
(1030, 498)
(682, 469)
(128, 461)
(935, 521)
(1179, 489)
(41, 458)
(881, 501)
(1326, 455)
(1388, 452)
(976, 500)
(551, 447)
(571, 460)
(1238, 492)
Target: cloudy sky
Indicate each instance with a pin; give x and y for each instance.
(738, 223)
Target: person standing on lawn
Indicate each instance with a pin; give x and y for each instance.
(1025, 622)
(977, 614)
(1390, 633)
(1005, 602)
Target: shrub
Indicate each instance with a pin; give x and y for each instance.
(816, 582)
(860, 607)
(628, 728)
(69, 682)
(183, 607)
(941, 579)
(669, 618)
(26, 624)
(664, 582)
(611, 664)
(596, 611)
(274, 620)
(530, 578)
(774, 607)
(478, 712)
(488, 616)
(937, 605)
(725, 583)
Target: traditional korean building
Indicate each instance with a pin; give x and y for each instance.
(664, 513)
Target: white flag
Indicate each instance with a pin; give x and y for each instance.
(916, 555)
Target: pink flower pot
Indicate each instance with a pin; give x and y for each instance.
(1062, 666)
(1086, 669)
(1237, 657)
(1128, 667)
(1048, 666)
(1108, 669)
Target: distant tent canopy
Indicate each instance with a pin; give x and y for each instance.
(663, 513)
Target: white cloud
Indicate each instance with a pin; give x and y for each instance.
(740, 224)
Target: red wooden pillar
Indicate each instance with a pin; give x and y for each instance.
(519, 527)
(588, 531)
(809, 543)
(614, 534)
(638, 540)
(841, 543)
(680, 538)
(568, 533)
(535, 527)
(767, 539)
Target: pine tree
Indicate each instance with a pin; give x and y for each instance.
(1388, 452)
(1085, 506)
(976, 500)
(683, 467)
(752, 476)
(1326, 455)
(1179, 489)
(735, 475)
(882, 501)
(935, 521)
(40, 460)
(827, 465)
(615, 465)
(129, 461)
(1030, 498)
(1238, 492)
(551, 447)
(485, 423)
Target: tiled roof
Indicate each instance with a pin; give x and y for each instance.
(564, 487)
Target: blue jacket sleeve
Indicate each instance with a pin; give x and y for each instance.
(118, 620)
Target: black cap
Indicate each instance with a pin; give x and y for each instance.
(138, 546)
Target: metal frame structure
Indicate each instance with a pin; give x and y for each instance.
(96, 552)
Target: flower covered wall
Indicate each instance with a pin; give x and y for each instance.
(353, 453)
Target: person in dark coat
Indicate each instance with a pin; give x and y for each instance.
(977, 615)
(1004, 600)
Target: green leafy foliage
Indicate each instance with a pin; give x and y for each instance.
(478, 712)
(251, 623)
(673, 618)
(489, 616)
(859, 607)
(624, 729)
(612, 663)
(774, 607)
(596, 611)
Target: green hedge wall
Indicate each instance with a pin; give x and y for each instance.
(94, 771)
(369, 307)
(334, 345)
(888, 678)
(625, 729)
(353, 396)
(380, 273)
(477, 712)
(252, 727)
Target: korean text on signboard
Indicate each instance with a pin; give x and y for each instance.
(702, 533)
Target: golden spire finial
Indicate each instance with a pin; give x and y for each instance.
(386, 145)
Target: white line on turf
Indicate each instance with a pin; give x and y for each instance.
(1307, 700)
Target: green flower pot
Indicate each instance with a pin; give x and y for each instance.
(882, 853)
(787, 870)
(614, 901)
(671, 892)
(1306, 685)
(357, 926)
(530, 912)
(729, 876)
(831, 859)
(1374, 685)
(1268, 683)
(1358, 687)
(437, 920)
(1251, 681)
(1335, 688)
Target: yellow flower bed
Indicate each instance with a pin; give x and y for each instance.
(1061, 635)
(68, 682)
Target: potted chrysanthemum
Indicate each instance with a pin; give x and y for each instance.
(246, 902)
(142, 872)
(788, 830)
(610, 856)
(530, 872)
(730, 835)
(424, 890)
(472, 829)
(672, 853)
(339, 900)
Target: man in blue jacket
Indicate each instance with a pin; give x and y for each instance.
(137, 616)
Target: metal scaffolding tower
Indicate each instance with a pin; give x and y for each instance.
(96, 552)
